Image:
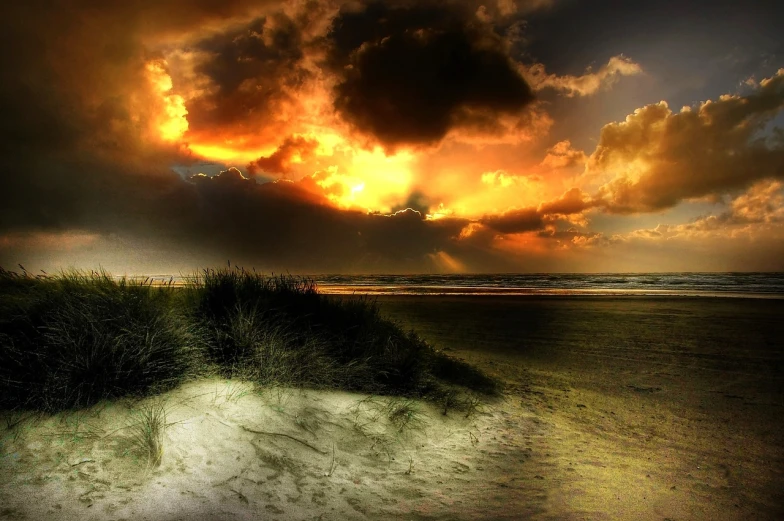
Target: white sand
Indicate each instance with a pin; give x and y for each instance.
(546, 451)
(87, 466)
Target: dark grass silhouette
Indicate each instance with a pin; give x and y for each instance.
(71, 340)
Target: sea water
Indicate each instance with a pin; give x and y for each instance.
(766, 285)
(749, 285)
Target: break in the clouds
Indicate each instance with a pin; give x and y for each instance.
(388, 136)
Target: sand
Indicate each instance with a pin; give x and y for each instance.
(657, 408)
(615, 408)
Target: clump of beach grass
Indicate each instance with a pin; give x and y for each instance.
(255, 345)
(71, 340)
(281, 329)
(404, 414)
(148, 430)
(382, 420)
(232, 392)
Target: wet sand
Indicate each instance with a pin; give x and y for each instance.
(657, 408)
(615, 409)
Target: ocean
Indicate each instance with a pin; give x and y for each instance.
(763, 285)
(748, 285)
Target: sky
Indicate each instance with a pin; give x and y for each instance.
(364, 136)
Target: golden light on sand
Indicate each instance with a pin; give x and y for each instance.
(172, 124)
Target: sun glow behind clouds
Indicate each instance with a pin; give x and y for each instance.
(350, 176)
(227, 152)
(385, 180)
(173, 123)
(366, 180)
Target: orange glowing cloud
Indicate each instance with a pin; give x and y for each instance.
(367, 180)
(585, 85)
(657, 158)
(272, 94)
(281, 97)
(172, 122)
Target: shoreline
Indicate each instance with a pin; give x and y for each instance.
(754, 285)
(463, 291)
(440, 291)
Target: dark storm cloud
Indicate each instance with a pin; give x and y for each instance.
(77, 108)
(272, 223)
(278, 226)
(279, 162)
(515, 221)
(285, 225)
(408, 72)
(405, 237)
(65, 118)
(251, 70)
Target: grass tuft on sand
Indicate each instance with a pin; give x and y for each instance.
(71, 340)
(148, 430)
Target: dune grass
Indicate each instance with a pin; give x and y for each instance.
(404, 414)
(148, 430)
(71, 340)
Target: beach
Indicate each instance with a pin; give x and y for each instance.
(655, 407)
(630, 408)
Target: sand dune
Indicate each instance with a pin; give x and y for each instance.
(602, 428)
(230, 453)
